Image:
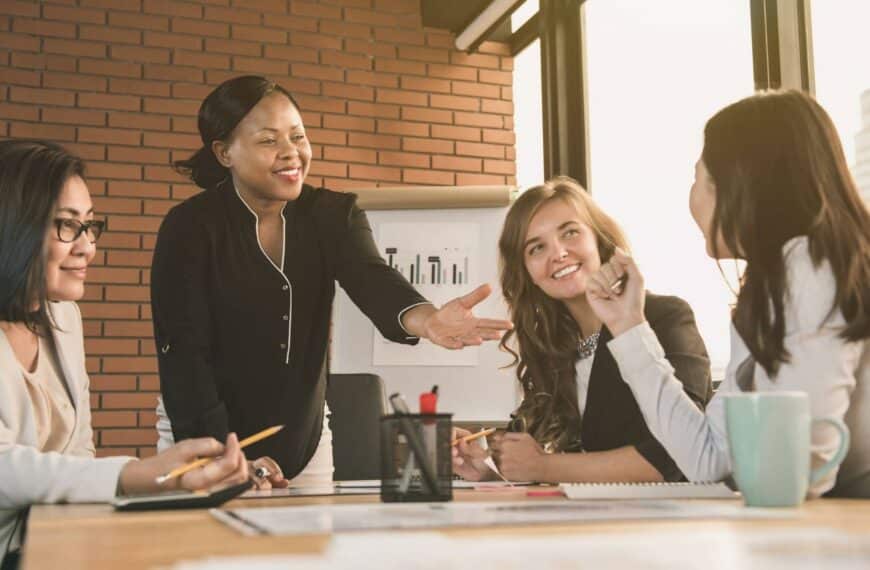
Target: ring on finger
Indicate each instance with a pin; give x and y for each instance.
(261, 472)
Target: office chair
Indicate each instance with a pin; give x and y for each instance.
(357, 403)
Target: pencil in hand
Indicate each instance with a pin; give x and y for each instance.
(473, 436)
(178, 471)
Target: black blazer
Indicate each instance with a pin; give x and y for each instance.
(242, 345)
(612, 418)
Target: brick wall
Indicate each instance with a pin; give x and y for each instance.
(385, 101)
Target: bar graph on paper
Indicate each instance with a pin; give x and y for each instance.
(441, 262)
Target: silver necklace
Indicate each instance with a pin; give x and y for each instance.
(587, 346)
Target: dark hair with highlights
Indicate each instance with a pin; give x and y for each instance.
(780, 172)
(545, 332)
(32, 176)
(219, 114)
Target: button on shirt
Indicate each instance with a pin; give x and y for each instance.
(242, 341)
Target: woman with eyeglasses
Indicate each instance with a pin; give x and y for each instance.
(48, 238)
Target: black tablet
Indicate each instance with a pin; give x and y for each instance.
(180, 499)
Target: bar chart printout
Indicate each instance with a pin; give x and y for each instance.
(440, 261)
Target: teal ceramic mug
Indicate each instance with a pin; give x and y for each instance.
(769, 437)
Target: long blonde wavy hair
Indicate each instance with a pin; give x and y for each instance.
(545, 335)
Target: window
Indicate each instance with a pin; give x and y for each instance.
(528, 116)
(656, 72)
(842, 76)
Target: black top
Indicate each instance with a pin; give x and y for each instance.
(612, 418)
(242, 342)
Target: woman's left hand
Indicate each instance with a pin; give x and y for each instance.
(616, 293)
(455, 326)
(266, 473)
(519, 457)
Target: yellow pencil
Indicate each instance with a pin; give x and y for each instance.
(205, 460)
(473, 436)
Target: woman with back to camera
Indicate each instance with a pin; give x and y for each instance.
(771, 188)
(243, 280)
(48, 238)
(554, 239)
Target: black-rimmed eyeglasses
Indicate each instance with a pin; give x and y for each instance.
(69, 229)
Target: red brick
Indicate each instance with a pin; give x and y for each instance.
(279, 6)
(323, 104)
(291, 53)
(440, 40)
(89, 152)
(507, 63)
(345, 154)
(345, 30)
(402, 97)
(477, 120)
(359, 92)
(184, 125)
(138, 121)
(135, 224)
(128, 437)
(119, 239)
(185, 107)
(399, 66)
(373, 141)
(499, 107)
(43, 27)
(403, 128)
(499, 77)
(19, 42)
(114, 68)
(258, 34)
(103, 101)
(172, 141)
(172, 73)
(42, 96)
(269, 67)
(507, 93)
(346, 60)
(237, 47)
(432, 177)
(138, 155)
(128, 5)
(326, 168)
(111, 35)
(157, 208)
(342, 122)
(149, 382)
(200, 28)
(455, 163)
(73, 116)
(101, 418)
(455, 102)
(182, 192)
(20, 77)
(103, 346)
(399, 36)
(119, 171)
(376, 110)
(427, 115)
(173, 40)
(290, 23)
(108, 310)
(369, 47)
(476, 89)
(496, 48)
(423, 54)
(404, 159)
(499, 136)
(148, 418)
(232, 15)
(21, 8)
(125, 293)
(455, 133)
(105, 205)
(138, 21)
(433, 146)
(326, 136)
(469, 179)
(371, 78)
(139, 87)
(398, 6)
(474, 60)
(453, 72)
(480, 150)
(379, 173)
(499, 167)
(129, 329)
(39, 131)
(317, 72)
(371, 17)
(172, 8)
(128, 364)
(202, 60)
(162, 173)
(308, 40)
(129, 259)
(43, 61)
(140, 54)
(426, 84)
(315, 10)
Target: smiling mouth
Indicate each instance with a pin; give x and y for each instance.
(565, 271)
(80, 271)
(289, 172)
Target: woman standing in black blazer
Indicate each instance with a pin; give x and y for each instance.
(554, 238)
(243, 279)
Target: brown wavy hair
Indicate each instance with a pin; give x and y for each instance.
(544, 332)
(780, 172)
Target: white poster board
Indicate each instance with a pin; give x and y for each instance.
(473, 385)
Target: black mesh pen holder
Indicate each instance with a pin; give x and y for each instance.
(416, 464)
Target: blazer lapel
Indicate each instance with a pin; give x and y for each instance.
(596, 401)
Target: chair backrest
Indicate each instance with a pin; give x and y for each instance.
(357, 402)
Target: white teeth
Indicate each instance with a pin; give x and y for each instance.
(289, 171)
(565, 271)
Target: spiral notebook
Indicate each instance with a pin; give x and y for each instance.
(648, 491)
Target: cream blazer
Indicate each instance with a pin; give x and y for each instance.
(29, 476)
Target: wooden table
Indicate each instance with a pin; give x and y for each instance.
(96, 537)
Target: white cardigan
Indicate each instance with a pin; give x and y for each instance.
(834, 373)
(27, 475)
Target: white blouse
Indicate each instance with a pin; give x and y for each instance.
(835, 374)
